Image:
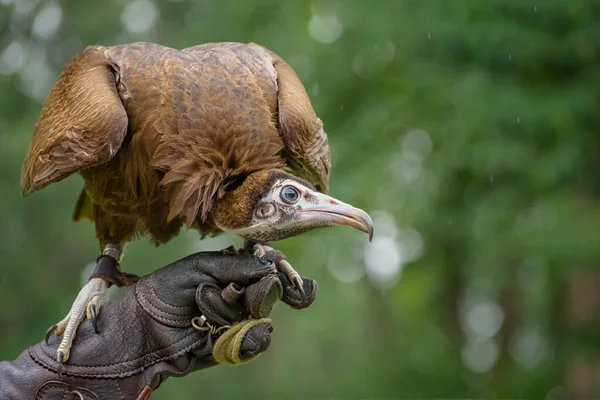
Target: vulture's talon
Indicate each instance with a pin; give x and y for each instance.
(93, 317)
(60, 359)
(49, 333)
(283, 265)
(259, 250)
(299, 284)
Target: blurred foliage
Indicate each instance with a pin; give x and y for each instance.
(469, 129)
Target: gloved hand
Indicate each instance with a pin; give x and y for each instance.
(164, 325)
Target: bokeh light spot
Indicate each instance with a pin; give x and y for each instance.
(527, 347)
(47, 21)
(480, 355)
(481, 317)
(417, 143)
(390, 249)
(325, 29)
(12, 58)
(139, 16)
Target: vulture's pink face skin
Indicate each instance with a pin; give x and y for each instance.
(290, 208)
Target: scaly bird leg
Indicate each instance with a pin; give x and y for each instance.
(283, 265)
(90, 300)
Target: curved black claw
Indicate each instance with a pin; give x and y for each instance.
(94, 317)
(60, 359)
(49, 333)
(300, 286)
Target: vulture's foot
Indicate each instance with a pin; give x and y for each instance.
(90, 299)
(284, 266)
(87, 304)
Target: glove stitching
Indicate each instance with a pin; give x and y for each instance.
(119, 389)
(153, 289)
(116, 375)
(159, 314)
(128, 361)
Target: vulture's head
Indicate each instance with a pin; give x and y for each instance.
(272, 205)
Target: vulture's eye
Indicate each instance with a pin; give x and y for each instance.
(290, 194)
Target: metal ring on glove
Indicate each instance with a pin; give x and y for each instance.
(201, 324)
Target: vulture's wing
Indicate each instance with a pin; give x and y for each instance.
(82, 124)
(306, 142)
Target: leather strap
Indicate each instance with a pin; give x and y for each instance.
(107, 268)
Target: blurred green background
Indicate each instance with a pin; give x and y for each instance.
(468, 129)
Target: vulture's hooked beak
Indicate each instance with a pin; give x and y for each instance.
(331, 211)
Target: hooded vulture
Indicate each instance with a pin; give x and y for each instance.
(219, 137)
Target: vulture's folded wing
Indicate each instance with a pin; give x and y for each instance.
(301, 130)
(83, 122)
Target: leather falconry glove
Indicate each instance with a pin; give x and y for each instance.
(176, 320)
